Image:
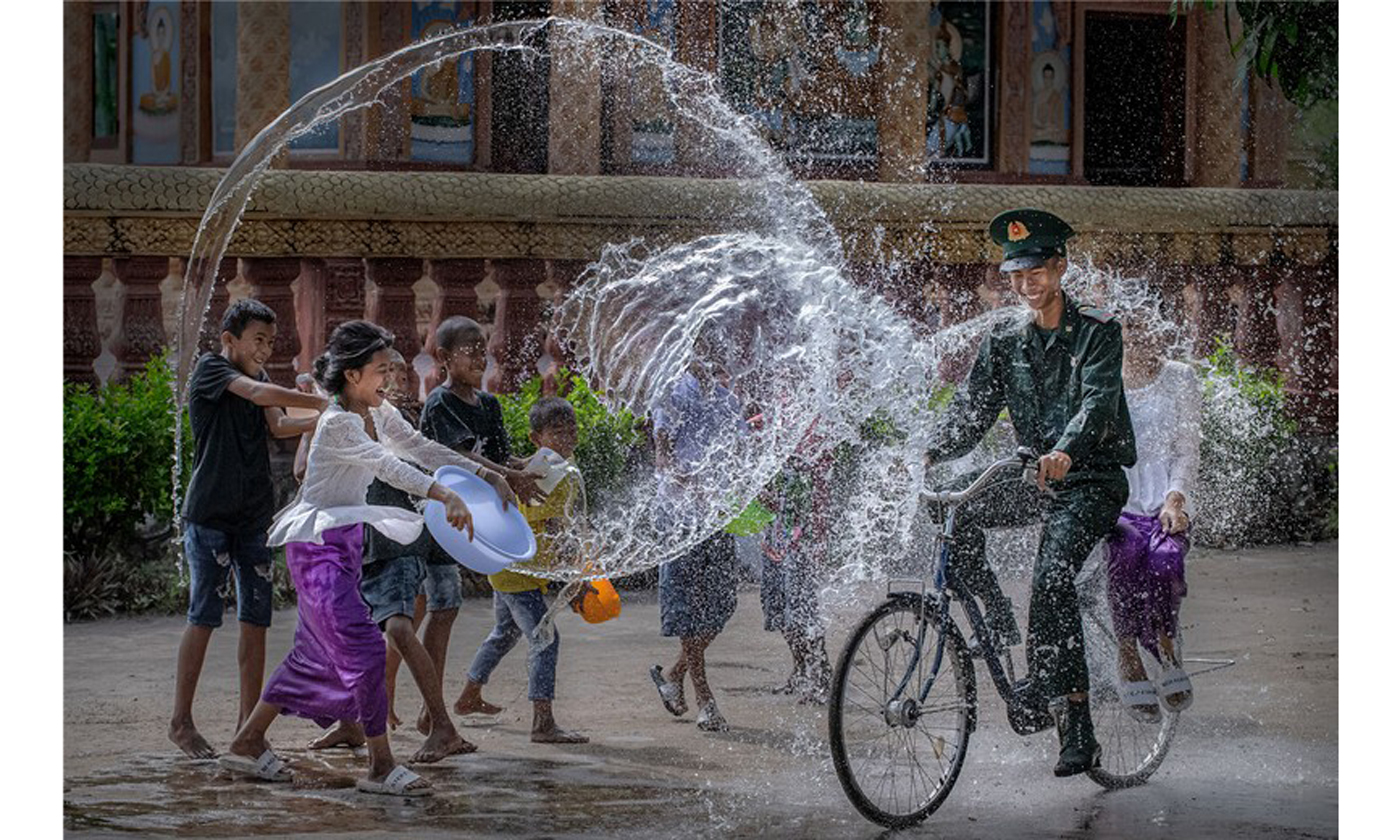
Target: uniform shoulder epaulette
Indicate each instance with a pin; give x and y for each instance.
(1103, 316)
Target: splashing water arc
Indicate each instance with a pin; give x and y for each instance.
(770, 299)
(775, 292)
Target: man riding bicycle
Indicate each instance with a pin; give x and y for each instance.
(1060, 379)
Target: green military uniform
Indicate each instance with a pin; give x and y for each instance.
(1063, 389)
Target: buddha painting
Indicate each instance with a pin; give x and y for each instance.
(437, 94)
(1049, 79)
(159, 99)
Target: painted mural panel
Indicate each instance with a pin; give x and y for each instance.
(314, 32)
(653, 116)
(155, 83)
(104, 77)
(442, 110)
(959, 95)
(1050, 91)
(223, 70)
(805, 73)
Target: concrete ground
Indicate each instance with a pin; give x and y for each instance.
(1256, 756)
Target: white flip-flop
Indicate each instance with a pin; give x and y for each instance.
(395, 784)
(1137, 694)
(267, 767)
(1175, 681)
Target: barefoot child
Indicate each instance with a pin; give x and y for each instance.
(519, 598)
(335, 669)
(229, 506)
(462, 417)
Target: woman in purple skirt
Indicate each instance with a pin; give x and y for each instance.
(335, 669)
(1147, 552)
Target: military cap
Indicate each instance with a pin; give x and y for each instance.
(1029, 237)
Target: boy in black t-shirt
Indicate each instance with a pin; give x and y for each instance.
(459, 415)
(229, 505)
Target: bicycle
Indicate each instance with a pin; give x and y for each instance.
(905, 687)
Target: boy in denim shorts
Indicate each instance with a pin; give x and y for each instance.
(229, 505)
(461, 416)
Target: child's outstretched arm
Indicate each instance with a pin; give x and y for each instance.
(268, 394)
(407, 442)
(283, 426)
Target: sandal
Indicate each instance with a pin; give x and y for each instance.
(1175, 681)
(267, 767)
(672, 697)
(1139, 699)
(395, 784)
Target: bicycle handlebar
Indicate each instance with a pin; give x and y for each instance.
(1024, 458)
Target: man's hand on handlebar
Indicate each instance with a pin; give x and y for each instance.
(1052, 467)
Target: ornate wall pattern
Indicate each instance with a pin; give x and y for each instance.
(127, 210)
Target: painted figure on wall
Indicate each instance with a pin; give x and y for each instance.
(957, 109)
(653, 116)
(1049, 78)
(155, 101)
(159, 99)
(441, 111)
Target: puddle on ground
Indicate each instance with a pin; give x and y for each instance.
(160, 795)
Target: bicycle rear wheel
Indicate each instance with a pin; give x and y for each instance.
(897, 764)
(1132, 749)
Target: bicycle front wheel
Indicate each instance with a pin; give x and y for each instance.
(896, 757)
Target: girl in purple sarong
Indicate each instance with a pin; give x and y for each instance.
(1147, 552)
(335, 669)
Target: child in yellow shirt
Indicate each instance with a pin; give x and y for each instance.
(519, 598)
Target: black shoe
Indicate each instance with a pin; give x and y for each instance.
(1075, 760)
(1079, 751)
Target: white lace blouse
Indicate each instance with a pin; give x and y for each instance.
(1167, 424)
(342, 462)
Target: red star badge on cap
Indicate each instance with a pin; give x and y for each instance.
(1016, 232)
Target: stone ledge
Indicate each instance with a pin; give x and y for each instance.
(116, 210)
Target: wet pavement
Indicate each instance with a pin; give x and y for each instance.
(1256, 756)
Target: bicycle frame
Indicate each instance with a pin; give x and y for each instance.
(1024, 708)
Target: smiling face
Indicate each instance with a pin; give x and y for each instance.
(1039, 287)
(367, 384)
(562, 437)
(250, 351)
(465, 363)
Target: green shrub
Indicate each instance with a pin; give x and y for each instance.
(118, 445)
(606, 439)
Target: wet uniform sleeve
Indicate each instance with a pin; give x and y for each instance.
(1100, 394)
(979, 399)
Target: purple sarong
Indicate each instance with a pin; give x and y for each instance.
(335, 670)
(1146, 578)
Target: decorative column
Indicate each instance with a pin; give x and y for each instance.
(516, 335)
(1218, 106)
(1014, 101)
(563, 274)
(81, 342)
(309, 300)
(393, 305)
(1213, 318)
(456, 281)
(344, 292)
(77, 81)
(1309, 346)
(955, 286)
(575, 98)
(140, 328)
(211, 323)
(902, 71)
(264, 54)
(1256, 332)
(1271, 117)
(271, 278)
(697, 45)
